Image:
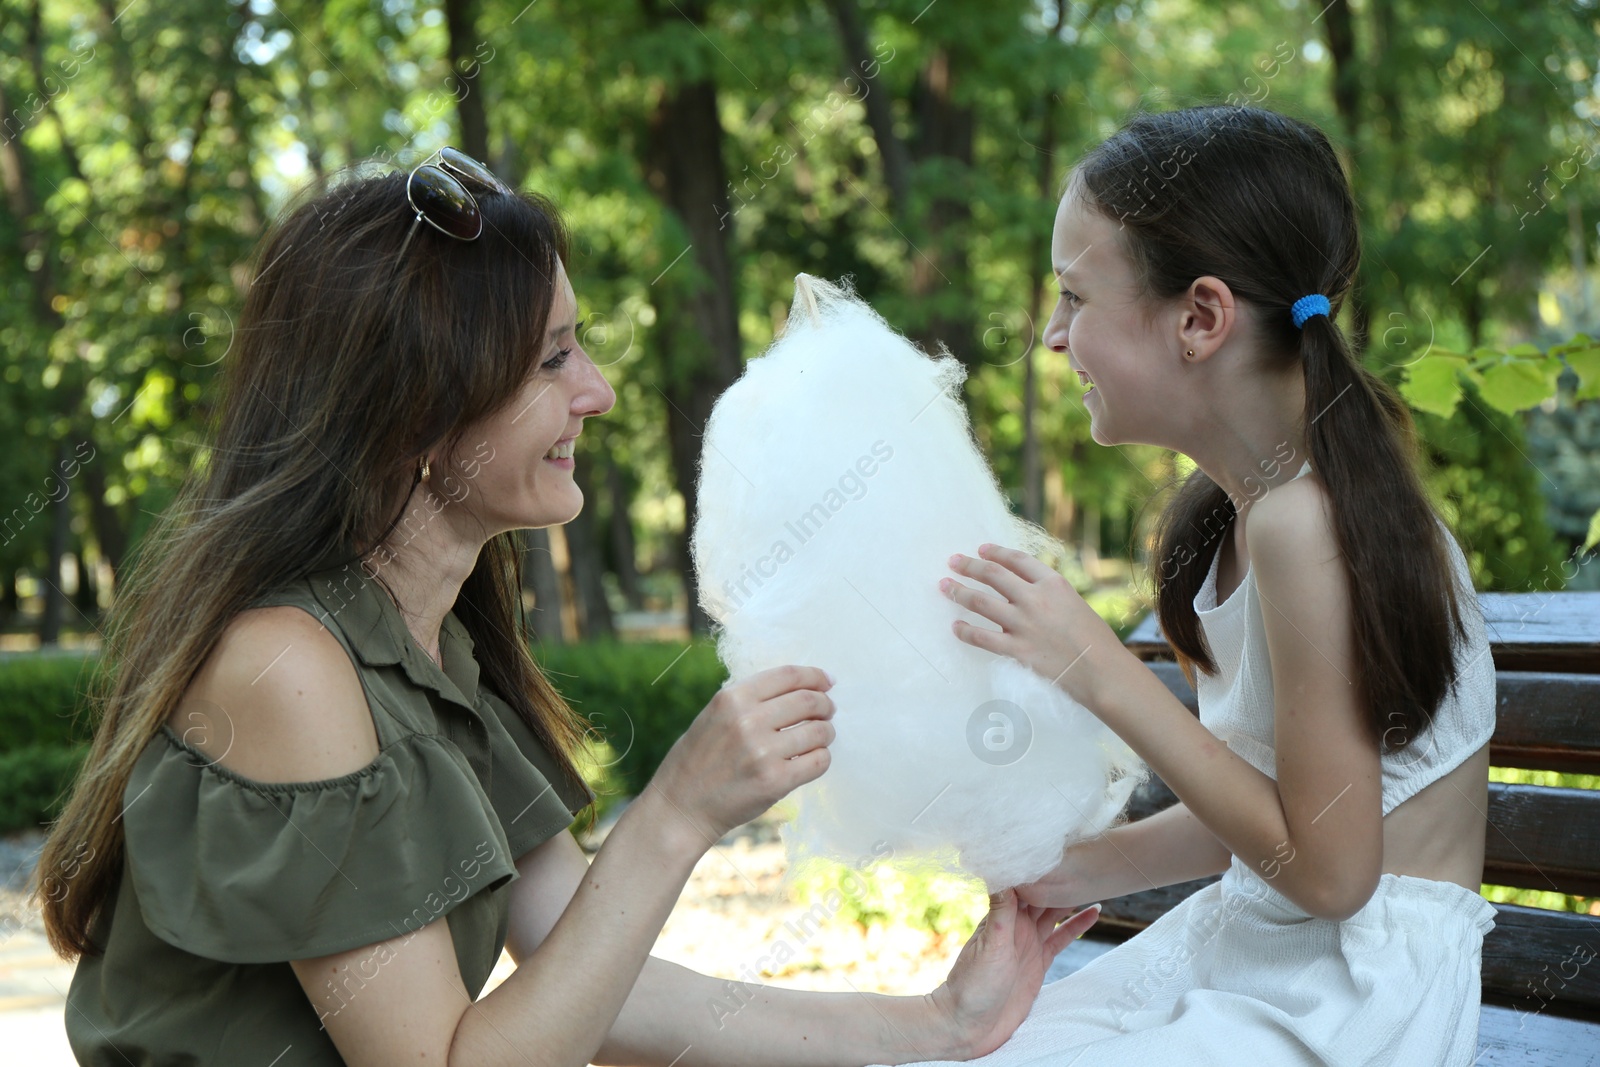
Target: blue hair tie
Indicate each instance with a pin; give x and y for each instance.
(1307, 306)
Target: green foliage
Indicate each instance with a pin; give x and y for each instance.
(639, 698)
(1492, 496)
(1510, 381)
(1499, 497)
(888, 896)
(40, 699)
(155, 148)
(33, 783)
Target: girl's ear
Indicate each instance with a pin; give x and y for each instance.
(1207, 313)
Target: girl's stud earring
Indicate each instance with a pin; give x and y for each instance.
(1190, 353)
(423, 470)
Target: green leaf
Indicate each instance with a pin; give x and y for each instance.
(1594, 532)
(1517, 384)
(1585, 363)
(1578, 342)
(1433, 385)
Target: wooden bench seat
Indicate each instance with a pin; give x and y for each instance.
(1541, 968)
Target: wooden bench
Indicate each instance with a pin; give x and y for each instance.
(1541, 968)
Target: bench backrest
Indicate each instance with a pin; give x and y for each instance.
(1546, 649)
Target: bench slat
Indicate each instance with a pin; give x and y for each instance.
(1539, 837)
(1547, 721)
(1535, 957)
(1543, 837)
(1517, 1036)
(1528, 632)
(1544, 720)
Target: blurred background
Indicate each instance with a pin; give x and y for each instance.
(704, 153)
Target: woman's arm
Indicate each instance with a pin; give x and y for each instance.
(403, 999)
(675, 1015)
(1168, 847)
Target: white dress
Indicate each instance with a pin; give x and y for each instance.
(1237, 972)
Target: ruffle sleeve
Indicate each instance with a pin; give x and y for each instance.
(535, 800)
(242, 871)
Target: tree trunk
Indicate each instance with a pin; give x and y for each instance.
(110, 532)
(10, 602)
(540, 578)
(861, 63)
(937, 242)
(1340, 28)
(55, 600)
(1038, 256)
(460, 17)
(1339, 25)
(86, 596)
(684, 167)
(583, 555)
(624, 549)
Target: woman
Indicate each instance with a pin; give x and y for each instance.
(322, 730)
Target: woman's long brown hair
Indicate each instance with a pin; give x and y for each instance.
(1260, 201)
(349, 361)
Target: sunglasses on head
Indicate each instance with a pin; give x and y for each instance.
(443, 200)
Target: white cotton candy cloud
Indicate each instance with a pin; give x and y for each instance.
(839, 474)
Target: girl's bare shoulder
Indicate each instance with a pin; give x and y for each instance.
(1292, 523)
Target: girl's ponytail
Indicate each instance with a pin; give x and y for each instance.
(1403, 605)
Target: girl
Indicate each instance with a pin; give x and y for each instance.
(329, 784)
(1336, 775)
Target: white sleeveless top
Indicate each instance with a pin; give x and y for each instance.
(1236, 703)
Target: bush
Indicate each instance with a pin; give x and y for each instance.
(41, 699)
(33, 783)
(639, 697)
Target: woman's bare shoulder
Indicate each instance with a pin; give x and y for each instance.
(278, 700)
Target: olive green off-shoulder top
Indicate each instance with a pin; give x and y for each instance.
(225, 879)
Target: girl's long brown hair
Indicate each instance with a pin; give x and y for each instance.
(1260, 201)
(349, 361)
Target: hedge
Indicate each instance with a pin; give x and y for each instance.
(639, 698)
(40, 699)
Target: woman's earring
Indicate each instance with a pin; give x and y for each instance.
(423, 469)
(1190, 353)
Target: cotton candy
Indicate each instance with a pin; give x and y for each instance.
(839, 474)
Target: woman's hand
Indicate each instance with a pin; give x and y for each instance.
(754, 743)
(1044, 624)
(997, 977)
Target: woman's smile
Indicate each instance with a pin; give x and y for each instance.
(560, 454)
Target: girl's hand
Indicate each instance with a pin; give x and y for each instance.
(996, 978)
(1044, 624)
(1062, 887)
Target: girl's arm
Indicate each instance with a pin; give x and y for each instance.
(1168, 847)
(675, 1015)
(1316, 832)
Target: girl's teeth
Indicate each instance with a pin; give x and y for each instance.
(563, 451)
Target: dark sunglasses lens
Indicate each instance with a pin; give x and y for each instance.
(465, 165)
(445, 202)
